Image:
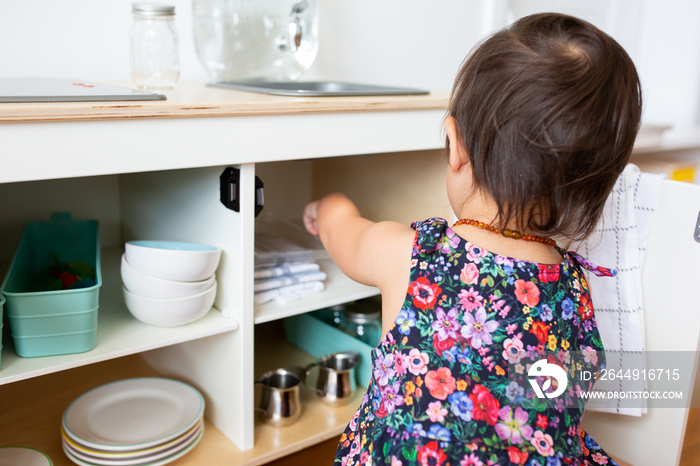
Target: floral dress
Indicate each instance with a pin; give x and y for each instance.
(455, 381)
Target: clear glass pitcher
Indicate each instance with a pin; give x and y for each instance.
(244, 40)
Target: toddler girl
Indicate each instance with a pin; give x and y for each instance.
(487, 322)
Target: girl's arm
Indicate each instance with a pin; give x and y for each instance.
(375, 254)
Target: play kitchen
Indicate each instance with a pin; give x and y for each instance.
(164, 188)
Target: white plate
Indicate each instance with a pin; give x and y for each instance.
(13, 456)
(133, 414)
(163, 461)
(185, 444)
(170, 446)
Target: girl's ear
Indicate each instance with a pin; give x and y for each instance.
(457, 156)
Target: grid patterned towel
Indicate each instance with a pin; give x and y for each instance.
(619, 242)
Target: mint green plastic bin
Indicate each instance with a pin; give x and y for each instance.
(47, 323)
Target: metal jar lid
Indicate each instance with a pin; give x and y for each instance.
(362, 313)
(152, 9)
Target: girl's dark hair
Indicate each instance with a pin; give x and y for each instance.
(548, 110)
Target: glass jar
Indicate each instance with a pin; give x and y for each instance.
(334, 315)
(155, 58)
(244, 40)
(363, 321)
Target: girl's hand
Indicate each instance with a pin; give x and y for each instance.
(310, 218)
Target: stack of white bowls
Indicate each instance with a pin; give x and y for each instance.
(169, 283)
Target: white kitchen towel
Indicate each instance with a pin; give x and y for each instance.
(288, 293)
(286, 280)
(619, 243)
(288, 268)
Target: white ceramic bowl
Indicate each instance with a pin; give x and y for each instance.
(150, 286)
(172, 260)
(170, 312)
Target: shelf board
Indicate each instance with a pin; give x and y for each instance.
(195, 99)
(118, 332)
(339, 289)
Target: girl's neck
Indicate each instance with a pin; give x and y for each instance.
(482, 208)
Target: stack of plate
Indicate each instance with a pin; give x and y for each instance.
(143, 421)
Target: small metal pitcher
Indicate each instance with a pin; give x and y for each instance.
(336, 378)
(280, 401)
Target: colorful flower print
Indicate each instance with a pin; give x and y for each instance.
(470, 274)
(417, 362)
(442, 346)
(431, 455)
(425, 294)
(406, 320)
(436, 412)
(546, 313)
(470, 299)
(590, 356)
(440, 383)
(439, 432)
(478, 329)
(400, 363)
(548, 273)
(471, 460)
(448, 243)
(498, 306)
(527, 293)
(475, 253)
(541, 421)
(513, 425)
(514, 392)
(517, 456)
(585, 309)
(540, 330)
(450, 379)
(461, 405)
(391, 397)
(384, 368)
(567, 309)
(543, 443)
(446, 325)
(513, 350)
(486, 407)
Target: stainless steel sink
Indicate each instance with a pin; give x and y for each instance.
(317, 88)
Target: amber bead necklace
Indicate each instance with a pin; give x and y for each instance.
(506, 232)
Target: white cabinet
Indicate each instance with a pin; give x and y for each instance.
(151, 170)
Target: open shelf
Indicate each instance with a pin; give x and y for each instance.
(318, 421)
(118, 332)
(32, 411)
(339, 289)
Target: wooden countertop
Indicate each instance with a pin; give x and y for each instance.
(190, 100)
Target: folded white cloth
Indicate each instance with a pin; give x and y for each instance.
(619, 243)
(286, 280)
(288, 268)
(289, 293)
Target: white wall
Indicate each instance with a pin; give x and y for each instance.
(401, 42)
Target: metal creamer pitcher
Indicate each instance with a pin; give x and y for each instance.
(336, 381)
(280, 401)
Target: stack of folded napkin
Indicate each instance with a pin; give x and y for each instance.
(284, 270)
